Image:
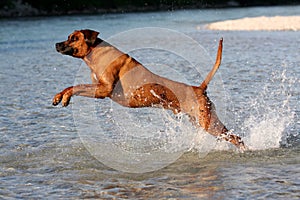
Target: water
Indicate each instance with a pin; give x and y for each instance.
(42, 154)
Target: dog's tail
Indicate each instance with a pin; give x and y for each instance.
(210, 75)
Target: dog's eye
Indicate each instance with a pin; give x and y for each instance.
(74, 38)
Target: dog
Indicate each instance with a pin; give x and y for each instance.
(120, 77)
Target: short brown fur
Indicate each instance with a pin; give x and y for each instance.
(120, 77)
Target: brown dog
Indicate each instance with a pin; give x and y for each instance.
(123, 79)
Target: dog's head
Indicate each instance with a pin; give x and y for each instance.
(79, 43)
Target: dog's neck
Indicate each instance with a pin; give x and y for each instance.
(97, 42)
(101, 54)
(94, 45)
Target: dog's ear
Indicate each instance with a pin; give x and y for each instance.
(90, 36)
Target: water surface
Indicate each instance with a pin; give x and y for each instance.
(42, 154)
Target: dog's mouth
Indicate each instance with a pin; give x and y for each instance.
(63, 49)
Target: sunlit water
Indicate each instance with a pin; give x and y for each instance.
(43, 155)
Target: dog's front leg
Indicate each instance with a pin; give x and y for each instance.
(87, 90)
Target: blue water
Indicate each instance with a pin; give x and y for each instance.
(43, 154)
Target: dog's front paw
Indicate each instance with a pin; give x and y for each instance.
(63, 98)
(57, 99)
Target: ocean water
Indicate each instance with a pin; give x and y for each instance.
(97, 149)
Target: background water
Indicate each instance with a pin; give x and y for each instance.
(42, 154)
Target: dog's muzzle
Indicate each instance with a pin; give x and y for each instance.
(62, 48)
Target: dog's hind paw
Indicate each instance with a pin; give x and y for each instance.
(242, 147)
(234, 139)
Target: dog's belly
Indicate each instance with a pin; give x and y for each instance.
(153, 95)
(150, 90)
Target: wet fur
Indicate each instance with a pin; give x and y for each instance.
(120, 77)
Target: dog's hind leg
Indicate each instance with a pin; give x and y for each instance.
(206, 108)
(210, 75)
(208, 118)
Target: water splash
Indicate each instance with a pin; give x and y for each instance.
(184, 135)
(271, 113)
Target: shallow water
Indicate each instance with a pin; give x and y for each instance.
(43, 153)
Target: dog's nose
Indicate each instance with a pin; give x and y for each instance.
(59, 46)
